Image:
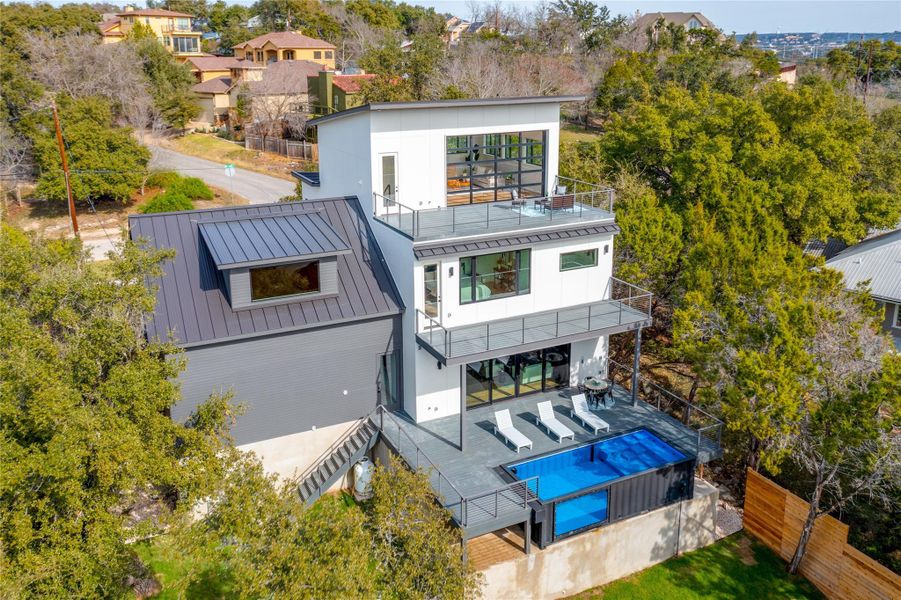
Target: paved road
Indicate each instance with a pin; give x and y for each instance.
(256, 187)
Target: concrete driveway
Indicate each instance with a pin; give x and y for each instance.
(256, 187)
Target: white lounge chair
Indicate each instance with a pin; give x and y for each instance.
(510, 433)
(547, 418)
(581, 412)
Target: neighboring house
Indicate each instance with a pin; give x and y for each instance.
(788, 73)
(281, 89)
(332, 91)
(876, 262)
(505, 269)
(173, 29)
(214, 100)
(455, 29)
(688, 20)
(289, 306)
(286, 45)
(205, 68)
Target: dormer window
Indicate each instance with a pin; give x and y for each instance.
(281, 281)
(276, 259)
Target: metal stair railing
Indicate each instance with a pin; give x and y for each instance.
(328, 452)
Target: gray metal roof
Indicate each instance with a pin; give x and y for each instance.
(376, 106)
(191, 305)
(489, 244)
(270, 240)
(877, 260)
(308, 177)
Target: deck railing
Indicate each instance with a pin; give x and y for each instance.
(691, 415)
(580, 202)
(627, 303)
(466, 510)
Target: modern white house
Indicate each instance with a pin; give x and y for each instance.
(505, 269)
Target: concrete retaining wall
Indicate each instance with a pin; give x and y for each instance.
(609, 553)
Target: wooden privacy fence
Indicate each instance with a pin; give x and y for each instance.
(775, 516)
(289, 148)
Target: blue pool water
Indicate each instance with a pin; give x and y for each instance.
(586, 466)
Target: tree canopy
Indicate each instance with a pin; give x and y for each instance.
(83, 419)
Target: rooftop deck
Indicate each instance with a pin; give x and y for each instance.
(473, 473)
(495, 217)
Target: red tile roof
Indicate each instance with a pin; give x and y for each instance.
(285, 39)
(153, 12)
(350, 84)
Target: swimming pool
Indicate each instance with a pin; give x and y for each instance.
(594, 468)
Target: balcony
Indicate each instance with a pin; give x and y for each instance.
(629, 307)
(585, 203)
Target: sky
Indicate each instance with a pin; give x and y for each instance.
(745, 16)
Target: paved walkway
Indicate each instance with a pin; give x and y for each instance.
(256, 187)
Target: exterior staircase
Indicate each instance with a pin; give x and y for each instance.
(334, 463)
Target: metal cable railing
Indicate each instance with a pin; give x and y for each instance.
(691, 415)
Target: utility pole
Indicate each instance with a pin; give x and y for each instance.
(62, 153)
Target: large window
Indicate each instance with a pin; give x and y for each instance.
(284, 280)
(504, 377)
(493, 276)
(579, 259)
(185, 44)
(495, 166)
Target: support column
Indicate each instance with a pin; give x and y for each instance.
(462, 409)
(636, 362)
(527, 527)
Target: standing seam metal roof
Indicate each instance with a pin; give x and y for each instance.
(877, 260)
(190, 303)
(246, 241)
(461, 247)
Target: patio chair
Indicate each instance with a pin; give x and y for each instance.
(510, 433)
(547, 418)
(581, 412)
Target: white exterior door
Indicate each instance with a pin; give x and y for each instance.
(389, 188)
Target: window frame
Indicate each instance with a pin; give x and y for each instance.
(283, 297)
(896, 322)
(594, 251)
(317, 54)
(518, 270)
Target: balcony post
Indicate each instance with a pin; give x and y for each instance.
(636, 362)
(462, 410)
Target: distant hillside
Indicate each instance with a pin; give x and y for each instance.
(799, 45)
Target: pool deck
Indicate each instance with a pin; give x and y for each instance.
(475, 470)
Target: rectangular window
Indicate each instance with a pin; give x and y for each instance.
(284, 280)
(328, 54)
(317, 53)
(898, 316)
(580, 259)
(494, 167)
(183, 24)
(248, 55)
(259, 56)
(185, 44)
(288, 55)
(493, 276)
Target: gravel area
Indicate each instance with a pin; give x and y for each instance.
(728, 519)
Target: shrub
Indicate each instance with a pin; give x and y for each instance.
(162, 179)
(191, 187)
(169, 201)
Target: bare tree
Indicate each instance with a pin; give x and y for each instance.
(80, 66)
(848, 439)
(279, 102)
(15, 159)
(357, 36)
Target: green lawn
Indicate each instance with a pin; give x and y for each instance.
(736, 567)
(577, 133)
(169, 567)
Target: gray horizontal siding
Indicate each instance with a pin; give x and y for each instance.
(290, 383)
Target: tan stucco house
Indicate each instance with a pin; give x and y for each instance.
(286, 45)
(173, 29)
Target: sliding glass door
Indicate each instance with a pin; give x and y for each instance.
(506, 377)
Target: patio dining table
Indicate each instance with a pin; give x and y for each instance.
(598, 389)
